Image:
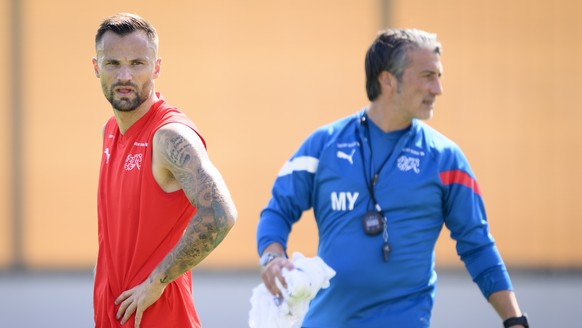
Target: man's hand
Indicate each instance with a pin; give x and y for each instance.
(273, 271)
(137, 300)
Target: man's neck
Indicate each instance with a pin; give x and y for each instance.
(126, 119)
(386, 118)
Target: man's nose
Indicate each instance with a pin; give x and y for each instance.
(124, 74)
(437, 87)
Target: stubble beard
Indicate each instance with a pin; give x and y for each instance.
(125, 104)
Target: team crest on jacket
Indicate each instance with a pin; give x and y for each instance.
(133, 161)
(406, 163)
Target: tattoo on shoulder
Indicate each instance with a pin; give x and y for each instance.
(175, 148)
(179, 151)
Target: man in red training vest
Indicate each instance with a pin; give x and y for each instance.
(162, 205)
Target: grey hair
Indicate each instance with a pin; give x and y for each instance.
(389, 52)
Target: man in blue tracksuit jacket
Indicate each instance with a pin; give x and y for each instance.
(381, 184)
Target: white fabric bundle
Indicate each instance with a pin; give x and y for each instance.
(303, 283)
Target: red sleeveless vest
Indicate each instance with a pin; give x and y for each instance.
(139, 224)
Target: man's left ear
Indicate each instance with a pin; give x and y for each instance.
(387, 80)
(95, 67)
(157, 68)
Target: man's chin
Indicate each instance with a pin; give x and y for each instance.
(124, 105)
(426, 115)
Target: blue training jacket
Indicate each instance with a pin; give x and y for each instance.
(426, 182)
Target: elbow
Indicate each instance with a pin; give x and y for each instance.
(223, 228)
(232, 216)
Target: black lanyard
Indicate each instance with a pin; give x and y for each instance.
(377, 220)
(371, 182)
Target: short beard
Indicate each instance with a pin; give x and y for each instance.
(125, 104)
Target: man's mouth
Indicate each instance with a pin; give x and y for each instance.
(123, 91)
(429, 102)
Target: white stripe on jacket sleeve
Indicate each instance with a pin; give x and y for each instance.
(302, 163)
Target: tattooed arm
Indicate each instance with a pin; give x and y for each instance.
(179, 150)
(180, 161)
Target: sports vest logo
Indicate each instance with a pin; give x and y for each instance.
(348, 157)
(406, 163)
(107, 153)
(133, 161)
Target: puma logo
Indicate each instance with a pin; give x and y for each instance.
(107, 153)
(349, 158)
